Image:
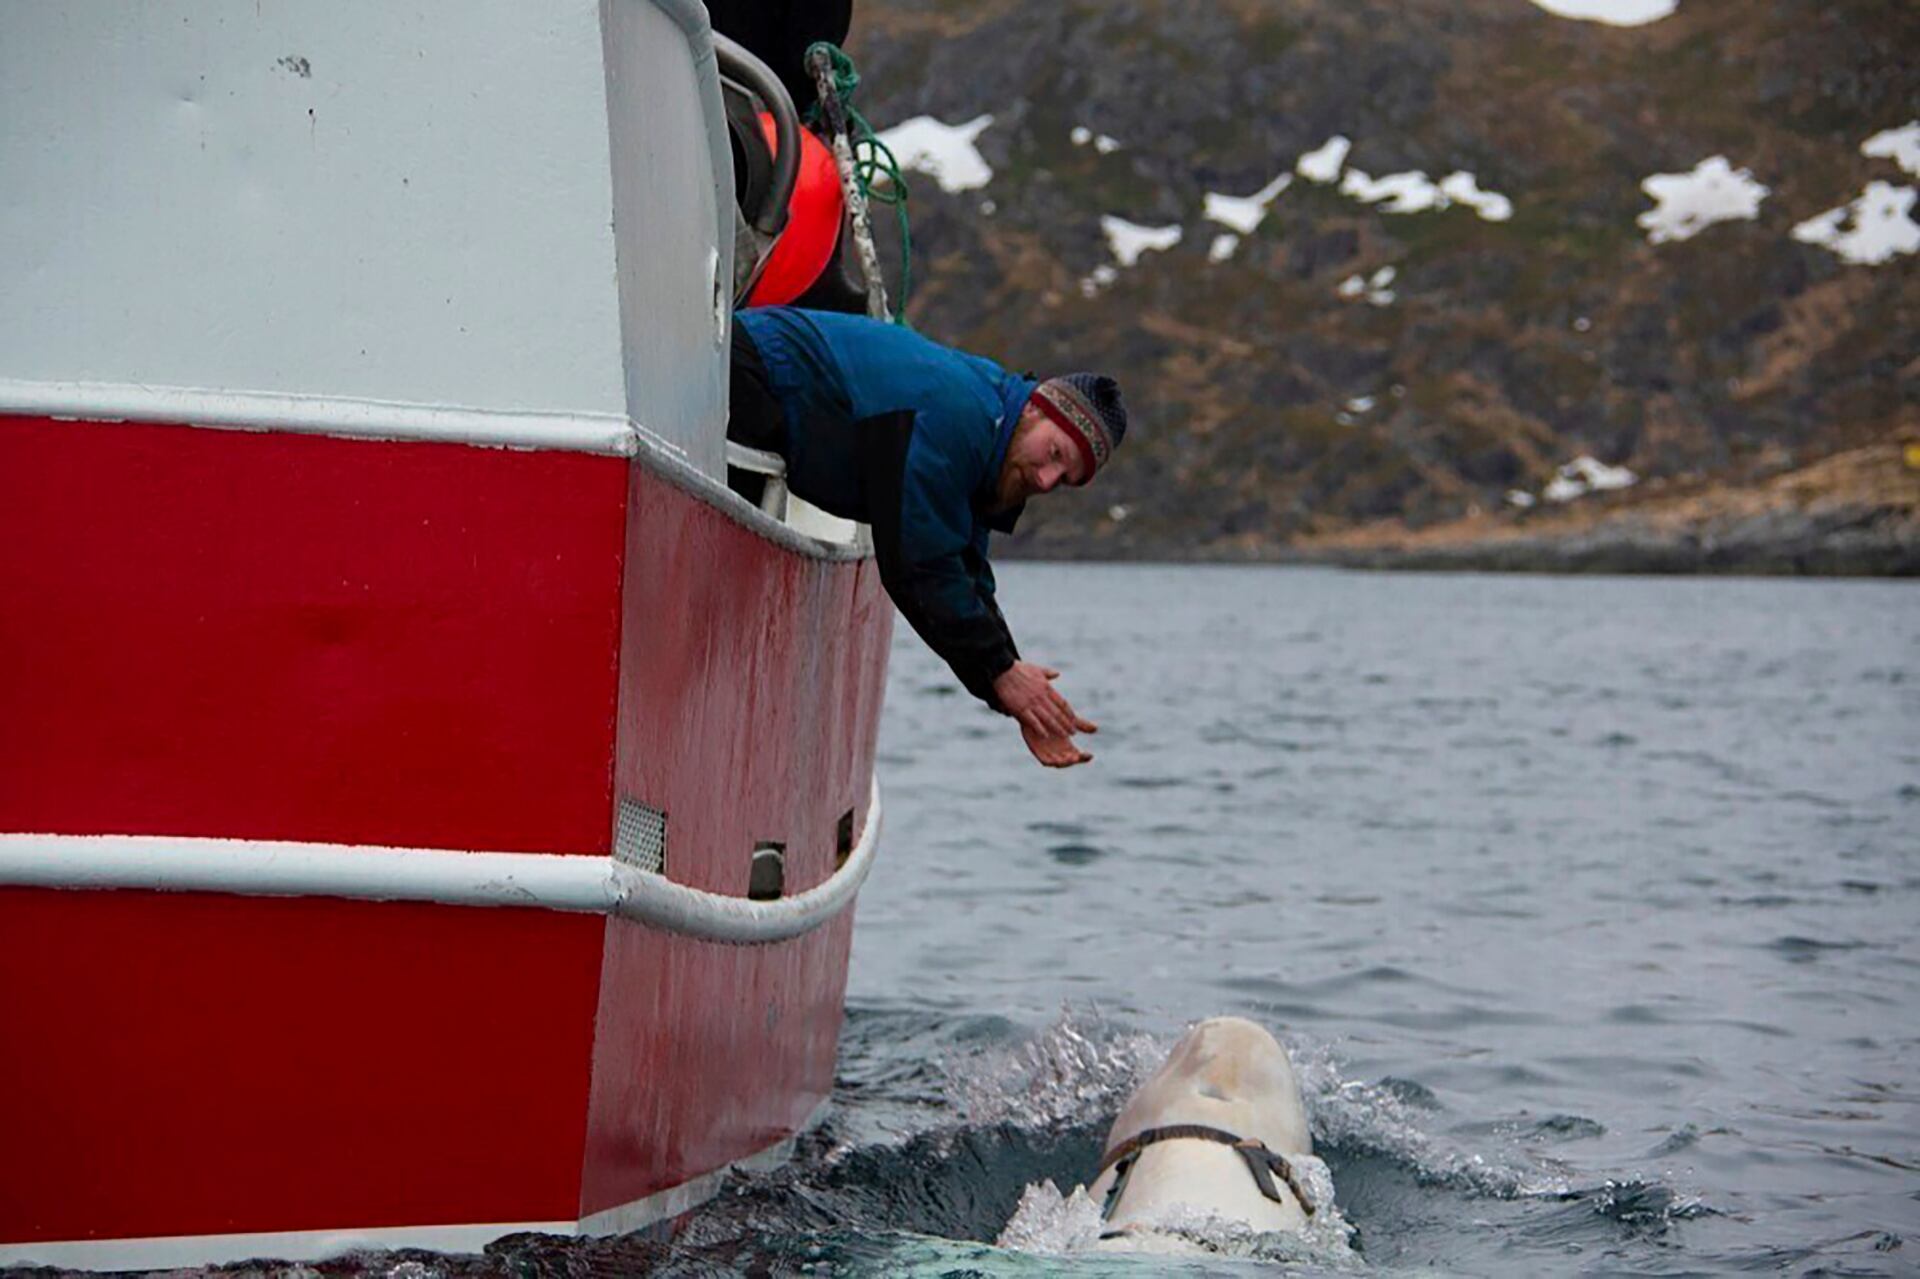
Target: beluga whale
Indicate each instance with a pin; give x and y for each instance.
(1218, 1132)
(1211, 1153)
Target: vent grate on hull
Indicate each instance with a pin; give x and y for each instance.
(640, 837)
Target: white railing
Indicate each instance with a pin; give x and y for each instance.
(541, 881)
(773, 498)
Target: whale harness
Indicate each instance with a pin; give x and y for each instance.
(1261, 1162)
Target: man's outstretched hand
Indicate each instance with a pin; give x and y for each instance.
(1047, 720)
(1054, 752)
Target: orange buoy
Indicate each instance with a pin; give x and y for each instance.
(813, 223)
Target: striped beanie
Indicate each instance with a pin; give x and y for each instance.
(1088, 406)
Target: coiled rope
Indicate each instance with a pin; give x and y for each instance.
(875, 169)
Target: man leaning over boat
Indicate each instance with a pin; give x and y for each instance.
(935, 449)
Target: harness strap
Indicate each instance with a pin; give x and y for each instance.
(1261, 1162)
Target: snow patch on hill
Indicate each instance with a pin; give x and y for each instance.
(946, 152)
(1614, 13)
(1583, 475)
(1376, 289)
(1244, 213)
(1409, 192)
(1102, 143)
(1685, 204)
(1875, 228)
(1323, 163)
(1129, 240)
(1901, 145)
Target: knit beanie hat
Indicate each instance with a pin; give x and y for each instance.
(1088, 407)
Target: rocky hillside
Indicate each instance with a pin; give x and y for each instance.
(1344, 373)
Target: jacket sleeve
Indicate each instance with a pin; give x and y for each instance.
(930, 560)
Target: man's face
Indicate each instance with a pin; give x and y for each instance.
(1040, 458)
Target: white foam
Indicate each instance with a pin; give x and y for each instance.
(1901, 145)
(1080, 1065)
(1585, 475)
(1047, 1222)
(1520, 498)
(1874, 228)
(944, 151)
(1323, 164)
(1361, 403)
(1222, 247)
(1245, 212)
(1614, 13)
(1129, 239)
(1688, 203)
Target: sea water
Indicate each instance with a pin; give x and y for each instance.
(1587, 907)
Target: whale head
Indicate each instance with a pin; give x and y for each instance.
(1226, 1074)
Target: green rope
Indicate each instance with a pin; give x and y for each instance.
(871, 160)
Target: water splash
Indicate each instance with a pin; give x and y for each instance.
(1644, 1205)
(1046, 1221)
(1081, 1065)
(1378, 1117)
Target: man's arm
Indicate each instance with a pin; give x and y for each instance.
(1025, 690)
(947, 596)
(938, 598)
(977, 645)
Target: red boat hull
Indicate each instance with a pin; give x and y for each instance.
(274, 636)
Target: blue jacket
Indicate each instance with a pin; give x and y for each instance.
(899, 432)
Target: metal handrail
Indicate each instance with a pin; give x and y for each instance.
(739, 65)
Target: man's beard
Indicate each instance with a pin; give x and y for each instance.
(1010, 491)
(1010, 488)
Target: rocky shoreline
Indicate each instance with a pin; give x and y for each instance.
(1855, 514)
(1854, 542)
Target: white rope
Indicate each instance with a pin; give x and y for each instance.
(856, 198)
